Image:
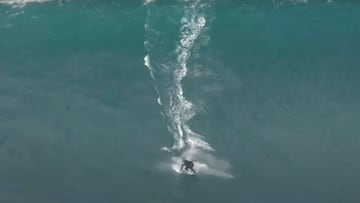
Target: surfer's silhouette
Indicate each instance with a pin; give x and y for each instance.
(189, 165)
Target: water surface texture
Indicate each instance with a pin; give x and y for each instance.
(100, 100)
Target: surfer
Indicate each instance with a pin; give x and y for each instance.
(189, 165)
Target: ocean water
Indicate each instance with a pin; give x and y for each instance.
(100, 100)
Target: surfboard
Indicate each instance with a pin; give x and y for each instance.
(190, 173)
(185, 172)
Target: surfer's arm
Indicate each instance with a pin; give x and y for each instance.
(182, 166)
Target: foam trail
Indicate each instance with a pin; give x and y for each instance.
(168, 71)
(180, 110)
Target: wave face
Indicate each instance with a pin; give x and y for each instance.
(272, 87)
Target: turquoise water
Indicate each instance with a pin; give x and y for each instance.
(99, 100)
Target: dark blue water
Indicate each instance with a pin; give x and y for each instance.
(262, 96)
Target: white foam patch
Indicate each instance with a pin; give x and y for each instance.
(21, 3)
(159, 101)
(146, 2)
(147, 64)
(195, 140)
(147, 61)
(166, 149)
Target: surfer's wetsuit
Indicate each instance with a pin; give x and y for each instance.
(188, 165)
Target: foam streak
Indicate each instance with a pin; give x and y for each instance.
(168, 71)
